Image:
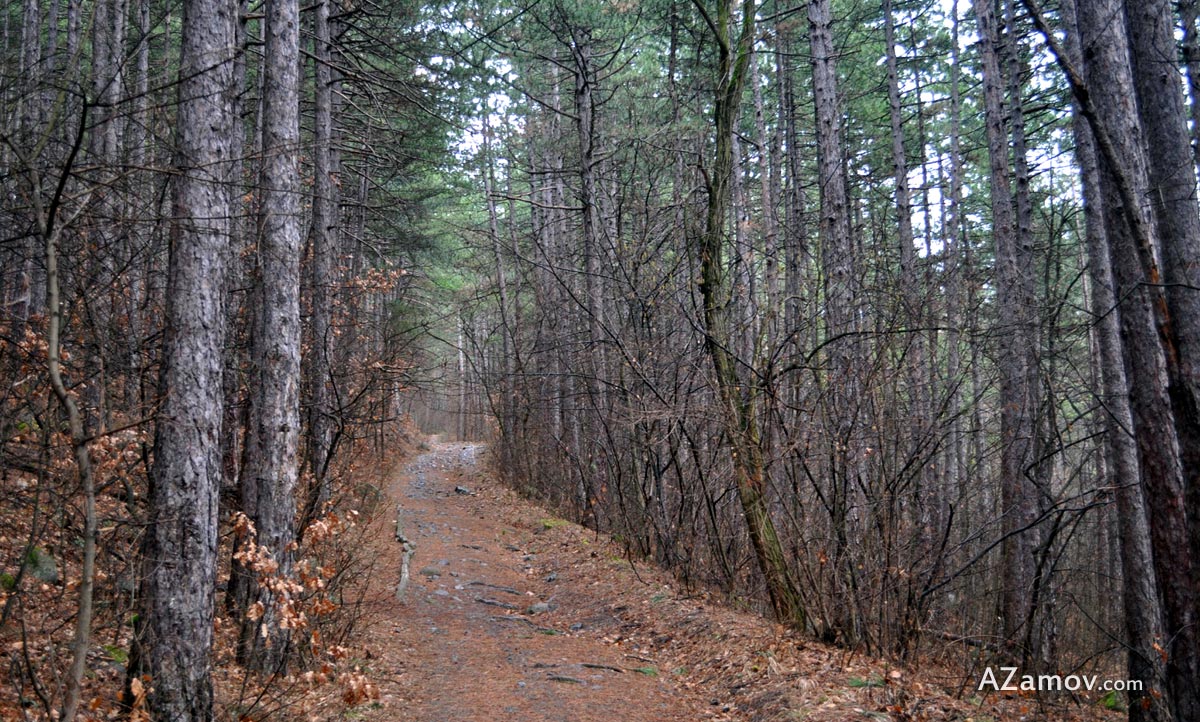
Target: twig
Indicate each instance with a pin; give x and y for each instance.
(506, 590)
(495, 603)
(610, 668)
(408, 549)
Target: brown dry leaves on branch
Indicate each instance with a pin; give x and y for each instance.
(41, 521)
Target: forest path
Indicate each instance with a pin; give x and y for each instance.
(610, 640)
(467, 643)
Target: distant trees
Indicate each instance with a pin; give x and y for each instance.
(806, 302)
(866, 280)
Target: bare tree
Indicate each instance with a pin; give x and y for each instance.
(1017, 334)
(175, 630)
(271, 467)
(739, 393)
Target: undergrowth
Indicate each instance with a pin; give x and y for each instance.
(41, 527)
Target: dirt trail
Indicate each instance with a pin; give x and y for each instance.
(464, 644)
(608, 640)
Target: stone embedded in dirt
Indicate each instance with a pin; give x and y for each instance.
(552, 577)
(539, 608)
(42, 565)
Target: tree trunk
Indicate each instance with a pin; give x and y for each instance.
(174, 632)
(271, 466)
(1172, 195)
(904, 229)
(1189, 12)
(738, 398)
(1012, 265)
(1139, 595)
(953, 237)
(1149, 363)
(839, 304)
(323, 236)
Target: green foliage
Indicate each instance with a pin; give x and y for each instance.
(860, 682)
(1112, 701)
(117, 654)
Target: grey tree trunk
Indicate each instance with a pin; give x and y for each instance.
(836, 251)
(904, 229)
(594, 239)
(323, 237)
(27, 100)
(839, 301)
(919, 356)
(1149, 363)
(174, 631)
(507, 415)
(1139, 595)
(1035, 470)
(272, 434)
(1172, 196)
(956, 467)
(1017, 494)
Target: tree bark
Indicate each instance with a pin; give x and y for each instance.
(174, 632)
(1145, 335)
(323, 237)
(1012, 267)
(270, 471)
(1139, 595)
(738, 398)
(1172, 194)
(839, 305)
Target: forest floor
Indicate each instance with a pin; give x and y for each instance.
(514, 614)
